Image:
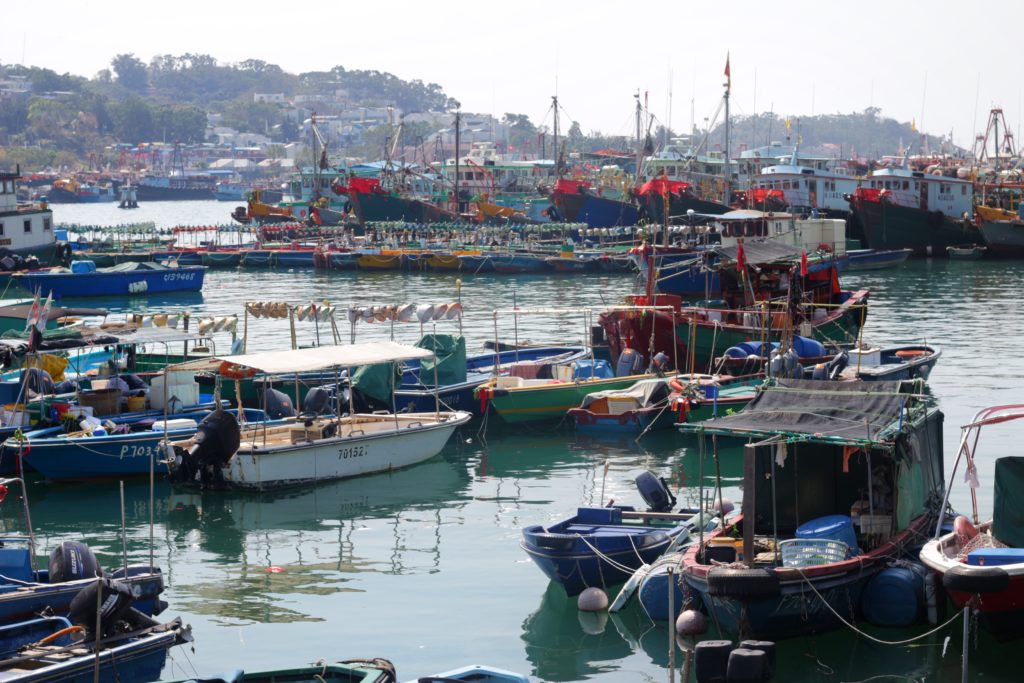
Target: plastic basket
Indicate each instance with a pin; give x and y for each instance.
(812, 552)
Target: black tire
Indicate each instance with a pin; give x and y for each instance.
(711, 660)
(746, 666)
(727, 582)
(978, 580)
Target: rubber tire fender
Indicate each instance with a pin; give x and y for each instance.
(728, 582)
(977, 580)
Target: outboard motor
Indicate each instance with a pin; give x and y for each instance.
(115, 606)
(71, 561)
(654, 490)
(278, 404)
(217, 439)
(315, 402)
(659, 363)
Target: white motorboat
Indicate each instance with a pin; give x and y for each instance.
(314, 447)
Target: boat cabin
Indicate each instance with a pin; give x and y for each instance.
(953, 197)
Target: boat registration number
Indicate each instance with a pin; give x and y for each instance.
(186, 277)
(351, 452)
(137, 451)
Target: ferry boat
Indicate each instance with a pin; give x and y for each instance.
(899, 208)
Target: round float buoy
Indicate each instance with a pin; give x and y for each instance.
(592, 600)
(691, 623)
(723, 506)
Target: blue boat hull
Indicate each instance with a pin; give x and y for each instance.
(70, 285)
(796, 611)
(115, 455)
(596, 548)
(9, 451)
(24, 602)
(875, 259)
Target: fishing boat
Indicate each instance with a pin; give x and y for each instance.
(374, 670)
(903, 209)
(601, 547)
(830, 498)
(577, 202)
(981, 564)
(970, 252)
(876, 259)
(1003, 231)
(890, 364)
(135, 451)
(453, 377)
(126, 279)
(659, 403)
(26, 591)
(321, 448)
(53, 649)
(759, 294)
(519, 399)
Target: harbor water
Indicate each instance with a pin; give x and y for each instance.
(423, 566)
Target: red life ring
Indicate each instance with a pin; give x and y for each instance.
(907, 354)
(232, 371)
(676, 385)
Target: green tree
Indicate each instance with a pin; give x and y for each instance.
(133, 121)
(131, 72)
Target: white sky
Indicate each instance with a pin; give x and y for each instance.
(940, 62)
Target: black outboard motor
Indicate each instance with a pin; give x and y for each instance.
(278, 404)
(659, 364)
(115, 608)
(217, 439)
(315, 402)
(71, 561)
(654, 490)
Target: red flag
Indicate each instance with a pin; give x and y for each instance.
(728, 75)
(803, 264)
(741, 259)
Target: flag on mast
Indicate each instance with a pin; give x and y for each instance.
(33, 313)
(728, 74)
(45, 313)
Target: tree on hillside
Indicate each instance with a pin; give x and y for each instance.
(133, 121)
(131, 72)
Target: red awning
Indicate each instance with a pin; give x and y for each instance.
(661, 185)
(568, 186)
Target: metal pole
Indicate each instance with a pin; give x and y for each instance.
(124, 535)
(967, 634)
(671, 622)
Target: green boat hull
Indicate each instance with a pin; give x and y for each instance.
(551, 401)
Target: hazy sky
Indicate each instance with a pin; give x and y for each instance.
(942, 63)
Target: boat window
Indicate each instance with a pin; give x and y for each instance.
(28, 225)
(46, 223)
(906, 184)
(963, 189)
(750, 230)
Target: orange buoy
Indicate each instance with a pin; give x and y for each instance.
(907, 354)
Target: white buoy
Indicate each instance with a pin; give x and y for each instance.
(691, 623)
(592, 600)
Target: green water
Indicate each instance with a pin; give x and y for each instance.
(423, 566)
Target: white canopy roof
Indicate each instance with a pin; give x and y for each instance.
(319, 358)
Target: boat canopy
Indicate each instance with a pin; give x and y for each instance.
(309, 360)
(845, 413)
(768, 251)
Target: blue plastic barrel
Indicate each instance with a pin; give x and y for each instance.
(808, 348)
(832, 527)
(894, 597)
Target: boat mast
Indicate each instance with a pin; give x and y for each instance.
(728, 169)
(639, 143)
(458, 123)
(558, 160)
